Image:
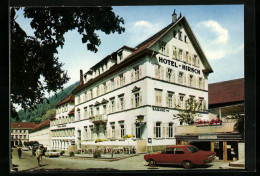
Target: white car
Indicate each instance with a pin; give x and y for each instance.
(49, 153)
(25, 149)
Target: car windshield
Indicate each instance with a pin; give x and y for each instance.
(193, 149)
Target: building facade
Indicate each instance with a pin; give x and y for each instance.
(41, 133)
(20, 132)
(136, 91)
(62, 126)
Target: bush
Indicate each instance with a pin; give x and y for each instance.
(96, 155)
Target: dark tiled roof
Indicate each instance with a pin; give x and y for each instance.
(226, 92)
(69, 98)
(22, 125)
(71, 112)
(41, 125)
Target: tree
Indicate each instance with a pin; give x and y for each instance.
(48, 114)
(190, 111)
(240, 124)
(32, 58)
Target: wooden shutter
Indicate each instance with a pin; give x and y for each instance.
(203, 83)
(117, 134)
(185, 56)
(167, 130)
(132, 75)
(204, 105)
(132, 100)
(178, 101)
(124, 78)
(162, 73)
(186, 102)
(154, 129)
(140, 71)
(118, 103)
(173, 76)
(178, 54)
(174, 100)
(174, 52)
(164, 130)
(167, 49)
(157, 71)
(198, 82)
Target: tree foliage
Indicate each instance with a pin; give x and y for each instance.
(34, 67)
(240, 124)
(189, 113)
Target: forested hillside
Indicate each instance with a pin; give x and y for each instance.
(44, 110)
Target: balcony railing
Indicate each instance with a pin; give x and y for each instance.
(99, 118)
(224, 127)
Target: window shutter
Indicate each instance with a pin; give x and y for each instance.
(118, 81)
(140, 98)
(160, 98)
(204, 105)
(167, 50)
(177, 101)
(186, 105)
(132, 100)
(174, 52)
(157, 72)
(118, 103)
(173, 76)
(167, 101)
(162, 73)
(154, 129)
(124, 78)
(117, 135)
(203, 83)
(164, 130)
(132, 75)
(198, 82)
(140, 71)
(185, 56)
(178, 54)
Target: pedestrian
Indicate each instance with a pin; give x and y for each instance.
(39, 155)
(19, 153)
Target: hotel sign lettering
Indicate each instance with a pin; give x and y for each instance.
(177, 65)
(160, 109)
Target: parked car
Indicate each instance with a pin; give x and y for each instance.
(49, 153)
(185, 155)
(25, 149)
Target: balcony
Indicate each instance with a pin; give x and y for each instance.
(192, 129)
(99, 119)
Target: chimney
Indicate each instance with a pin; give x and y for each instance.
(81, 78)
(174, 17)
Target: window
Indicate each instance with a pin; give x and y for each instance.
(121, 100)
(105, 87)
(91, 111)
(169, 74)
(138, 130)
(200, 83)
(105, 109)
(112, 84)
(122, 130)
(178, 151)
(180, 35)
(182, 101)
(174, 50)
(169, 151)
(191, 80)
(170, 130)
(174, 33)
(78, 114)
(158, 129)
(136, 72)
(91, 94)
(86, 112)
(158, 97)
(113, 105)
(180, 55)
(162, 47)
(97, 91)
(137, 99)
(121, 82)
(185, 39)
(180, 78)
(194, 60)
(170, 102)
(97, 130)
(157, 71)
(113, 130)
(97, 110)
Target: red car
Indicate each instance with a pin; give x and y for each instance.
(186, 155)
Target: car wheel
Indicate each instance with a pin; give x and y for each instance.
(151, 162)
(187, 164)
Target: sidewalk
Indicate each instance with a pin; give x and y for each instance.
(239, 164)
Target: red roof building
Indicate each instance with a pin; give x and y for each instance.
(69, 98)
(20, 132)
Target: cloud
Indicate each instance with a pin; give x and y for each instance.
(222, 33)
(141, 30)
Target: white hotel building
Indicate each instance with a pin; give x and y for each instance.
(138, 90)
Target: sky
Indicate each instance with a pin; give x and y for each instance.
(219, 30)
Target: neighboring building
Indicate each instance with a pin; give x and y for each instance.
(62, 125)
(41, 132)
(226, 100)
(20, 132)
(136, 91)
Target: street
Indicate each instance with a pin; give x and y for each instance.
(28, 162)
